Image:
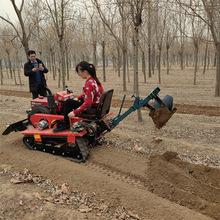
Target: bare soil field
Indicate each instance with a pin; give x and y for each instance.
(140, 172)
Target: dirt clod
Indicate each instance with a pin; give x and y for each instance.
(161, 116)
(170, 155)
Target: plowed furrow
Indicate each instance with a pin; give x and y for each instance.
(116, 103)
(116, 174)
(119, 164)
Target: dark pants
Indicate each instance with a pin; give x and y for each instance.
(40, 91)
(71, 105)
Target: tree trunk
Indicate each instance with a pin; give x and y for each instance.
(215, 58)
(217, 85)
(127, 61)
(113, 62)
(118, 63)
(53, 65)
(168, 64)
(196, 63)
(25, 43)
(59, 76)
(134, 63)
(67, 67)
(6, 66)
(208, 60)
(9, 64)
(62, 56)
(103, 61)
(124, 69)
(124, 51)
(94, 54)
(144, 66)
(14, 76)
(19, 70)
(149, 39)
(205, 58)
(136, 43)
(164, 60)
(1, 73)
(70, 62)
(50, 61)
(181, 60)
(159, 66)
(153, 59)
(187, 59)
(149, 61)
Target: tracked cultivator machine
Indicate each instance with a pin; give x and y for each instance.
(85, 130)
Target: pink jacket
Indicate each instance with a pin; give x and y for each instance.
(91, 95)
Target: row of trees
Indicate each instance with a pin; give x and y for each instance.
(120, 31)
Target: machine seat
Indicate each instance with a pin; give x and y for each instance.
(103, 107)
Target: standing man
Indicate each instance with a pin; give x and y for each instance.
(35, 70)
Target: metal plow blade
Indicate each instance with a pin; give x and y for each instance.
(162, 111)
(17, 126)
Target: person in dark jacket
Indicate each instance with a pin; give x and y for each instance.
(35, 70)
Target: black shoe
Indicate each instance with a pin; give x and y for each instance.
(61, 126)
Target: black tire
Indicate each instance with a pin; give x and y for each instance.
(39, 109)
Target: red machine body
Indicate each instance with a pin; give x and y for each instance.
(38, 134)
(63, 96)
(58, 100)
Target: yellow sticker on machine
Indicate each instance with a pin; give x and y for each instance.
(37, 137)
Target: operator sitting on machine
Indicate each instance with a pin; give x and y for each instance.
(87, 102)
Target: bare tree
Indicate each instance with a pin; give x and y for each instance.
(182, 28)
(197, 32)
(16, 65)
(90, 20)
(160, 29)
(7, 50)
(212, 9)
(112, 26)
(24, 34)
(136, 12)
(211, 16)
(170, 37)
(206, 52)
(149, 26)
(58, 12)
(1, 72)
(103, 43)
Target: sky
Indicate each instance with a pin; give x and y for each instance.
(6, 7)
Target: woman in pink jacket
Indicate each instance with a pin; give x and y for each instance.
(88, 101)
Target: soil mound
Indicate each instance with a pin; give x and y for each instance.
(194, 186)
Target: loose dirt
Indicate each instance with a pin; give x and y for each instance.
(140, 172)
